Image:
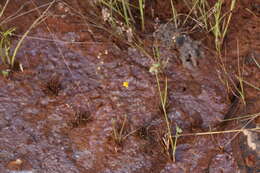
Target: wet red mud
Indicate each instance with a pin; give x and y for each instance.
(61, 112)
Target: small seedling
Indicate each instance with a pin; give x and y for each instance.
(213, 19)
(82, 117)
(5, 73)
(168, 147)
(177, 135)
(144, 133)
(53, 86)
(11, 58)
(119, 130)
(221, 23)
(5, 46)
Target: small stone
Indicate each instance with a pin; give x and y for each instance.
(19, 165)
(15, 165)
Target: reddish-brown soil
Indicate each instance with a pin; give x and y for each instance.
(58, 115)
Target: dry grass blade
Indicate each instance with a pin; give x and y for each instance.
(236, 131)
(249, 84)
(240, 74)
(17, 14)
(174, 14)
(243, 117)
(4, 7)
(36, 22)
(244, 128)
(258, 65)
(217, 132)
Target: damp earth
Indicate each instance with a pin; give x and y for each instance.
(82, 100)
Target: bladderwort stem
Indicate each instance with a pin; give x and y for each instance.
(163, 99)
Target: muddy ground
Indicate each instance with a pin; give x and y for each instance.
(79, 84)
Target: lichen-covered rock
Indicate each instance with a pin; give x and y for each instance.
(170, 37)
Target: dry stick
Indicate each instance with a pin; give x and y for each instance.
(27, 32)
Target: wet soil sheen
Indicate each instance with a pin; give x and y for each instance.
(80, 86)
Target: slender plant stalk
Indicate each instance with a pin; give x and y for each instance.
(129, 12)
(125, 13)
(203, 11)
(141, 9)
(240, 74)
(5, 45)
(220, 27)
(177, 135)
(217, 27)
(226, 25)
